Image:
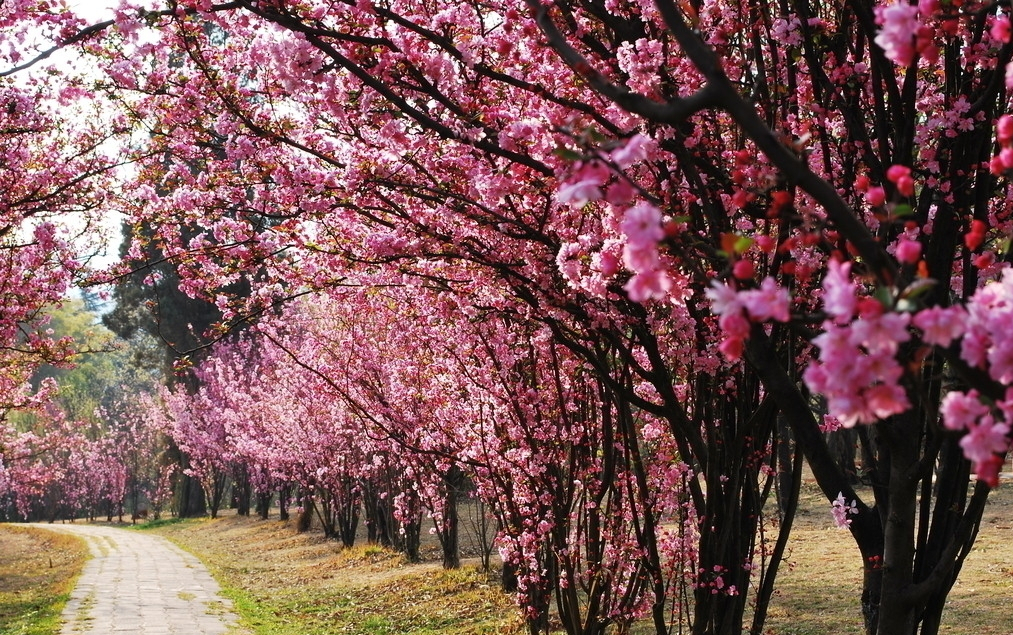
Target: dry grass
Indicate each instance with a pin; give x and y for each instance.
(286, 583)
(819, 586)
(38, 569)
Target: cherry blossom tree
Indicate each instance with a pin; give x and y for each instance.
(719, 207)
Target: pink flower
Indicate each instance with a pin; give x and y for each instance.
(642, 226)
(906, 186)
(1004, 129)
(585, 184)
(988, 470)
(769, 302)
(841, 509)
(580, 193)
(830, 424)
(731, 348)
(634, 151)
(839, 298)
(899, 26)
(875, 196)
(743, 269)
(886, 400)
(882, 333)
(985, 439)
(639, 258)
(909, 251)
(961, 410)
(607, 263)
(939, 325)
(620, 193)
(648, 285)
(896, 172)
(734, 325)
(724, 299)
(1001, 29)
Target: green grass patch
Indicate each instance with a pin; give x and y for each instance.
(423, 603)
(38, 570)
(161, 522)
(283, 583)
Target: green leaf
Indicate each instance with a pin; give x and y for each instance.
(567, 154)
(742, 244)
(918, 288)
(902, 210)
(884, 296)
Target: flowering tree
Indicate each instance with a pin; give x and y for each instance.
(695, 199)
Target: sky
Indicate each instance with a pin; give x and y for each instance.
(93, 10)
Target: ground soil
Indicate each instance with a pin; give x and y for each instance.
(37, 571)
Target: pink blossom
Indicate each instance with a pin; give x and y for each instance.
(585, 184)
(620, 193)
(988, 470)
(735, 325)
(1004, 129)
(769, 302)
(731, 348)
(909, 251)
(906, 186)
(648, 285)
(724, 299)
(985, 439)
(580, 193)
(882, 333)
(839, 297)
(898, 28)
(607, 263)
(885, 400)
(634, 151)
(939, 325)
(743, 269)
(1001, 29)
(896, 172)
(830, 424)
(961, 410)
(841, 509)
(642, 226)
(875, 196)
(641, 258)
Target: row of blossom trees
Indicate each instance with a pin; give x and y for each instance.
(673, 223)
(389, 392)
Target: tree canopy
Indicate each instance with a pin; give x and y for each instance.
(593, 255)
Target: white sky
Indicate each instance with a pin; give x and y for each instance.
(93, 10)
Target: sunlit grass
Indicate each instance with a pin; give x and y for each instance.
(38, 569)
(308, 586)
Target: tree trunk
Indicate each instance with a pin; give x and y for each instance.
(450, 532)
(284, 498)
(305, 517)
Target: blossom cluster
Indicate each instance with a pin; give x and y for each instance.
(984, 326)
(739, 308)
(642, 225)
(842, 510)
(903, 33)
(1003, 162)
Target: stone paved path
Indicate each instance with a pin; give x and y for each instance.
(141, 584)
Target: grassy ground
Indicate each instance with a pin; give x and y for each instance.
(284, 583)
(819, 587)
(38, 569)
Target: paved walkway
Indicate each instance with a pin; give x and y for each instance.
(142, 584)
